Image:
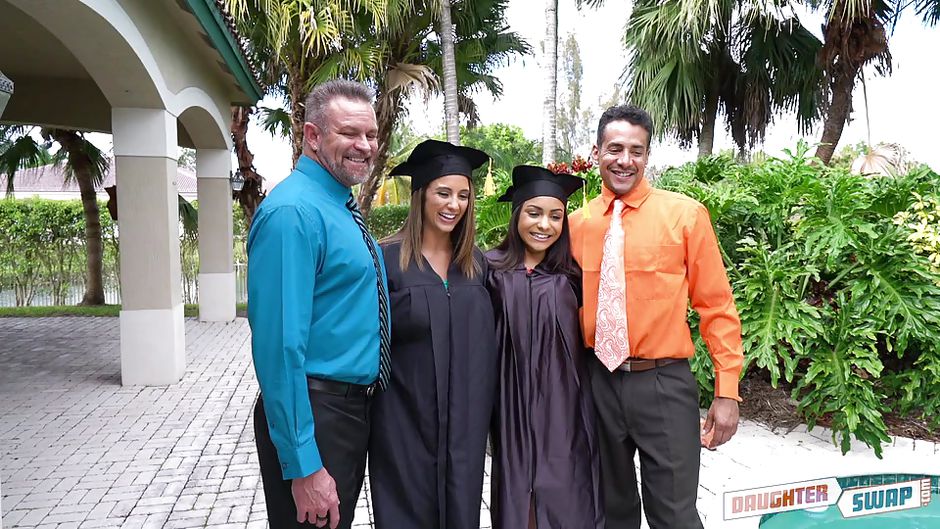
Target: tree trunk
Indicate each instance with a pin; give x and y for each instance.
(387, 109)
(82, 168)
(451, 117)
(252, 193)
(706, 139)
(839, 109)
(297, 116)
(550, 68)
(848, 45)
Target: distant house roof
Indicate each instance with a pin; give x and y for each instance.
(51, 179)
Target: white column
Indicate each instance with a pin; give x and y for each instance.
(216, 271)
(153, 344)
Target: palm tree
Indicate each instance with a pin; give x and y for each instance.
(300, 43)
(87, 165)
(550, 70)
(252, 192)
(749, 59)
(413, 62)
(451, 119)
(856, 34)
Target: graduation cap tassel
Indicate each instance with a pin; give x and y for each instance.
(489, 186)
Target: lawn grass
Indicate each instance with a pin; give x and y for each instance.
(189, 311)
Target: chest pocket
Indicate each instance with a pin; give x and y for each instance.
(655, 271)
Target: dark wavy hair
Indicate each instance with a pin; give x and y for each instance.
(557, 260)
(629, 113)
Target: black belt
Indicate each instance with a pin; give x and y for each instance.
(342, 389)
(639, 364)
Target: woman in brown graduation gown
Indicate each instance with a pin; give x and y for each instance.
(545, 460)
(429, 428)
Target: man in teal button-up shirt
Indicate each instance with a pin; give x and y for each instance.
(313, 306)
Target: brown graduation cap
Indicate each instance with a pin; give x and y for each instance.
(529, 181)
(432, 159)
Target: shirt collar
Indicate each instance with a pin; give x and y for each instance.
(319, 175)
(633, 199)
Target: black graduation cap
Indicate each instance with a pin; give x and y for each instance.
(432, 159)
(529, 181)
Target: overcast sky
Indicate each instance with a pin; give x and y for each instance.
(904, 107)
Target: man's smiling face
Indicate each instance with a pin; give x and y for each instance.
(347, 143)
(622, 155)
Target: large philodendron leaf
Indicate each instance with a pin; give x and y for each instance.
(776, 322)
(835, 220)
(895, 287)
(840, 381)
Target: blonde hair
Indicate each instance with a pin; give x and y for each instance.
(463, 237)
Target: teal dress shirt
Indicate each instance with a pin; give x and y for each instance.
(313, 305)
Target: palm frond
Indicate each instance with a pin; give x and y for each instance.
(275, 121)
(21, 153)
(929, 10)
(884, 159)
(99, 163)
(189, 217)
(777, 73)
(402, 76)
(754, 58)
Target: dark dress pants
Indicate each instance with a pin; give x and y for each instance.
(656, 413)
(342, 435)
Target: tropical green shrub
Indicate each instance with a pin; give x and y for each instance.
(386, 220)
(42, 248)
(492, 220)
(833, 296)
(923, 219)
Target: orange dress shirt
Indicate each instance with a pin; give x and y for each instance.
(671, 258)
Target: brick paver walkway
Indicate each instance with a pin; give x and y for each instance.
(78, 450)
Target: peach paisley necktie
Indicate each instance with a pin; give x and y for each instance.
(611, 343)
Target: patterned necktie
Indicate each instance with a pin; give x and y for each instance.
(611, 343)
(385, 356)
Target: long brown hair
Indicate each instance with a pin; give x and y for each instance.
(462, 238)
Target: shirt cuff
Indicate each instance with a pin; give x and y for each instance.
(726, 385)
(300, 462)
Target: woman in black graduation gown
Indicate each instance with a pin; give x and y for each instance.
(545, 459)
(429, 428)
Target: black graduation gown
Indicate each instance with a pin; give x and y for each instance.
(545, 447)
(429, 428)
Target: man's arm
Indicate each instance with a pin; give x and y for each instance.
(282, 264)
(720, 326)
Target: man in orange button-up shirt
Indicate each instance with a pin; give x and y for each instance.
(649, 402)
